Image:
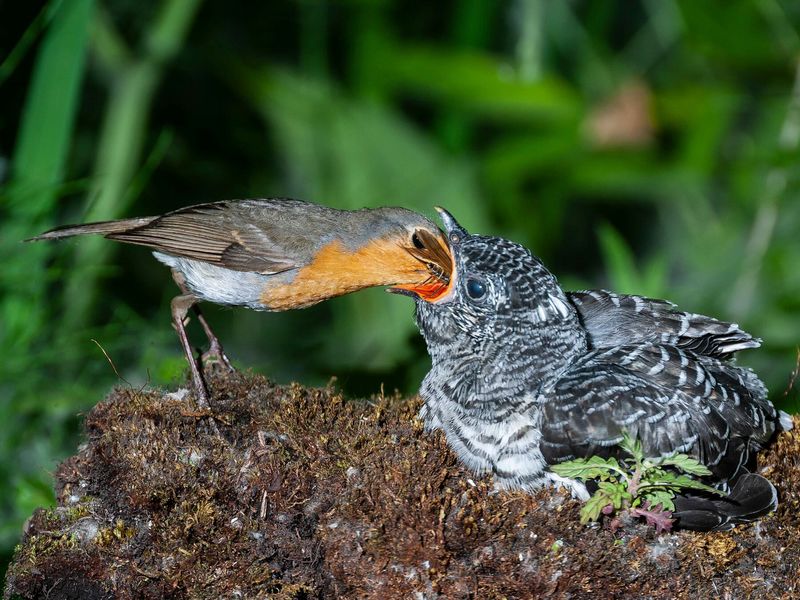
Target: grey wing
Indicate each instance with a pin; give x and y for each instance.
(668, 398)
(219, 233)
(615, 320)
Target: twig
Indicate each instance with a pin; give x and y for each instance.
(111, 362)
(793, 377)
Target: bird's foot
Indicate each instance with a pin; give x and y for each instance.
(215, 355)
(203, 397)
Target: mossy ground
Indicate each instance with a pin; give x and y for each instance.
(307, 494)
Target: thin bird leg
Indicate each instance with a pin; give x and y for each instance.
(180, 307)
(215, 352)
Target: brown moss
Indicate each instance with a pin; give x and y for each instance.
(306, 494)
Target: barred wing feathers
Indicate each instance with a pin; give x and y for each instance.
(669, 398)
(615, 320)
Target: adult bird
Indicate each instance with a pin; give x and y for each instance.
(277, 254)
(525, 376)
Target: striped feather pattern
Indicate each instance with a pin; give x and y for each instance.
(527, 376)
(615, 320)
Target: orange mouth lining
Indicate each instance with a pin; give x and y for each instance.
(431, 290)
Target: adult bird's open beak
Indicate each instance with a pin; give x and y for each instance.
(436, 254)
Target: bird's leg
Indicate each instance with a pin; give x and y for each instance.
(215, 352)
(180, 307)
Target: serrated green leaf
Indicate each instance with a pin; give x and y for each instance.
(632, 446)
(617, 493)
(594, 506)
(656, 497)
(650, 472)
(584, 469)
(677, 483)
(687, 464)
(686, 482)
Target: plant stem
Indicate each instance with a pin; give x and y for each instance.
(132, 90)
(634, 482)
(767, 216)
(37, 172)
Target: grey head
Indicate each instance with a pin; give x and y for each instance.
(504, 313)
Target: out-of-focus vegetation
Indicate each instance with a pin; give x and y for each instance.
(647, 146)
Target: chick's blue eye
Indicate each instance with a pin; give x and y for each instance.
(475, 289)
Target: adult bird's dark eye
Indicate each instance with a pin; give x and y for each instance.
(417, 242)
(475, 289)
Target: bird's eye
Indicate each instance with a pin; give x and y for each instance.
(417, 242)
(476, 289)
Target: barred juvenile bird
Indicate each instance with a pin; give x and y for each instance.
(525, 376)
(278, 254)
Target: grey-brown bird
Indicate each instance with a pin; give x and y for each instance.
(277, 254)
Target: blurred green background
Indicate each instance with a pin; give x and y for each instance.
(646, 146)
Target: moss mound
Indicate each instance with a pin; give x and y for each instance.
(306, 494)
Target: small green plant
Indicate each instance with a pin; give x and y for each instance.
(642, 487)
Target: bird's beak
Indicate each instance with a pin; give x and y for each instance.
(455, 232)
(437, 257)
(431, 291)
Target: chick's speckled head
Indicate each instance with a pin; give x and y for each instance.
(497, 286)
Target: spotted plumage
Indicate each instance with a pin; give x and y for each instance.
(525, 376)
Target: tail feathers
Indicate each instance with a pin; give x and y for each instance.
(100, 228)
(751, 498)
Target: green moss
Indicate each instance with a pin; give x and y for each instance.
(113, 535)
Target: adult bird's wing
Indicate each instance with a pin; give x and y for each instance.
(219, 233)
(264, 236)
(615, 320)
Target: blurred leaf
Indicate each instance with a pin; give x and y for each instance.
(42, 20)
(514, 158)
(621, 269)
(742, 38)
(477, 83)
(135, 81)
(619, 260)
(29, 203)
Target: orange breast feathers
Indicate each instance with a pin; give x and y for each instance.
(336, 270)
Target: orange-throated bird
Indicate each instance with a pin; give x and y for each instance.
(277, 254)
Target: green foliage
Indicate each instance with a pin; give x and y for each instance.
(625, 276)
(646, 484)
(28, 200)
(507, 113)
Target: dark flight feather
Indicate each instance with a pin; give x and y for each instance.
(614, 319)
